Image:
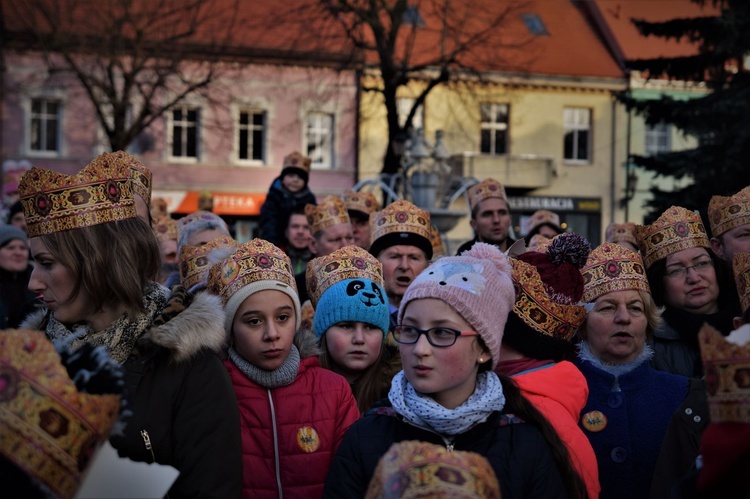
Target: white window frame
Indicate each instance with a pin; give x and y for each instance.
(576, 120)
(657, 139)
(494, 126)
(252, 110)
(170, 132)
(404, 105)
(30, 116)
(326, 163)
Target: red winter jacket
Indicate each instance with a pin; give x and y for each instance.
(559, 391)
(290, 434)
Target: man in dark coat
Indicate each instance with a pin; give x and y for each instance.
(490, 215)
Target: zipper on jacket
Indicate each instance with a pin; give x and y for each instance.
(275, 444)
(147, 442)
(449, 447)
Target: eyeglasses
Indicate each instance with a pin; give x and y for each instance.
(681, 272)
(436, 336)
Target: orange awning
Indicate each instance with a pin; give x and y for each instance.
(225, 203)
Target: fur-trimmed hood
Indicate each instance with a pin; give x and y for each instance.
(307, 343)
(199, 327)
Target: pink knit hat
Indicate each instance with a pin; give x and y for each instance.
(477, 285)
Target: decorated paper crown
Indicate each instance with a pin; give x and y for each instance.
(621, 233)
(102, 192)
(541, 217)
(331, 211)
(47, 427)
(297, 160)
(727, 375)
(363, 201)
(349, 262)
(400, 221)
(195, 262)
(726, 213)
(741, 268)
(438, 248)
(612, 267)
(166, 229)
(675, 230)
(142, 177)
(159, 208)
(413, 469)
(487, 188)
(256, 260)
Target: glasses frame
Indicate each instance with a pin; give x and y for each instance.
(682, 272)
(426, 334)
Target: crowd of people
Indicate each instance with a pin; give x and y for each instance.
(343, 354)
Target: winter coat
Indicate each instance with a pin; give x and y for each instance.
(636, 409)
(184, 411)
(290, 433)
(16, 301)
(468, 244)
(517, 452)
(559, 391)
(278, 207)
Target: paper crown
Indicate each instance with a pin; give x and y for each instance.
(675, 230)
(621, 233)
(541, 217)
(399, 217)
(487, 188)
(612, 267)
(142, 177)
(413, 469)
(727, 375)
(363, 201)
(307, 313)
(195, 262)
(47, 427)
(331, 211)
(726, 213)
(159, 208)
(256, 260)
(165, 229)
(741, 268)
(349, 262)
(438, 248)
(102, 192)
(297, 160)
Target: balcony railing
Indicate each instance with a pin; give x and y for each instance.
(525, 171)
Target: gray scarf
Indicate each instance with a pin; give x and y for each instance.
(282, 376)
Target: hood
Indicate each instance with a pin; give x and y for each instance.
(561, 382)
(306, 343)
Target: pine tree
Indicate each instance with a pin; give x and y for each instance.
(720, 120)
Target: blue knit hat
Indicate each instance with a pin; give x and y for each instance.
(347, 286)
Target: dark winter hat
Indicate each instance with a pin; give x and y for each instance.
(549, 286)
(16, 207)
(11, 232)
(297, 163)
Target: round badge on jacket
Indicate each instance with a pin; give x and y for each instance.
(308, 439)
(594, 421)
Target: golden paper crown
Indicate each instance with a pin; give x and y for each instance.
(611, 267)
(307, 313)
(741, 268)
(619, 233)
(675, 230)
(102, 192)
(400, 216)
(166, 229)
(412, 469)
(725, 213)
(331, 211)
(535, 308)
(47, 427)
(363, 201)
(540, 217)
(487, 188)
(727, 375)
(159, 208)
(142, 177)
(256, 260)
(297, 160)
(438, 248)
(349, 262)
(194, 261)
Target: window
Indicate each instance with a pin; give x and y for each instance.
(494, 128)
(412, 17)
(534, 24)
(44, 129)
(185, 123)
(577, 122)
(404, 105)
(251, 135)
(319, 138)
(658, 139)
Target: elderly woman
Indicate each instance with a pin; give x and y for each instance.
(690, 282)
(630, 403)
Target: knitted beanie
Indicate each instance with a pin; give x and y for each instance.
(11, 232)
(234, 302)
(352, 300)
(477, 285)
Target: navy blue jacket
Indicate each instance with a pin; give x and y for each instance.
(278, 207)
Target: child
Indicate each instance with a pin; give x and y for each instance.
(293, 413)
(288, 192)
(351, 320)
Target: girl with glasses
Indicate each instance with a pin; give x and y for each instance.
(451, 323)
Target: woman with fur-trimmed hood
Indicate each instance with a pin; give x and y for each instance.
(95, 265)
(293, 412)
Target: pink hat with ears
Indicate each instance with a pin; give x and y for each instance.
(477, 285)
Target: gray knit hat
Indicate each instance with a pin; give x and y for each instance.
(10, 232)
